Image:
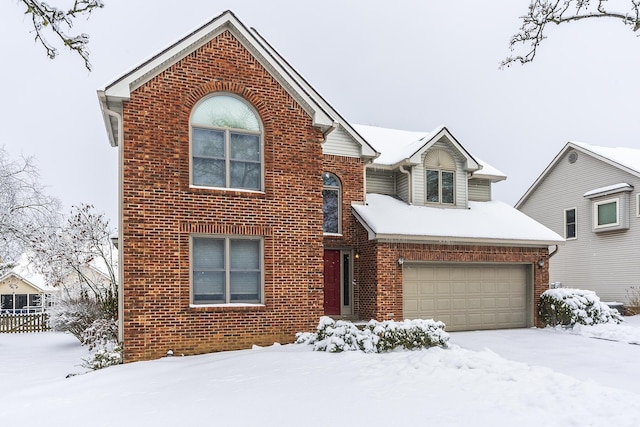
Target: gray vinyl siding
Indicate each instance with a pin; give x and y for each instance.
(381, 182)
(605, 262)
(419, 191)
(339, 143)
(479, 190)
(402, 186)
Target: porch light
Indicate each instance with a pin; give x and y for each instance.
(400, 260)
(541, 263)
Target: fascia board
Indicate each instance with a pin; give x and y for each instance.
(121, 88)
(470, 163)
(457, 240)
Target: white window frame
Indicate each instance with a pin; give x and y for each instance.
(426, 186)
(575, 224)
(227, 144)
(615, 200)
(227, 269)
(638, 205)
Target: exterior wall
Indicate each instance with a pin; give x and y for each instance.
(479, 190)
(604, 262)
(340, 143)
(381, 182)
(402, 186)
(161, 211)
(380, 279)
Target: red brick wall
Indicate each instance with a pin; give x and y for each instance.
(380, 276)
(161, 211)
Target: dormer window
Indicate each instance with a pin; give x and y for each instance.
(440, 177)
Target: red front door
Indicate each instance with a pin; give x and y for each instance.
(331, 282)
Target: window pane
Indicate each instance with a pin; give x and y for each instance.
(208, 254)
(433, 178)
(571, 231)
(208, 286)
(330, 199)
(208, 143)
(245, 286)
(330, 180)
(245, 254)
(245, 175)
(447, 187)
(245, 147)
(209, 172)
(571, 216)
(225, 111)
(607, 213)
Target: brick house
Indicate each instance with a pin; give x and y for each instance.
(249, 208)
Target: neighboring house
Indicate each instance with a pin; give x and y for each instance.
(22, 290)
(590, 195)
(249, 208)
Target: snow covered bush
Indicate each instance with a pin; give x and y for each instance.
(74, 315)
(101, 333)
(566, 307)
(338, 335)
(104, 357)
(633, 301)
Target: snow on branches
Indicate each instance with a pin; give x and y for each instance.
(60, 22)
(543, 12)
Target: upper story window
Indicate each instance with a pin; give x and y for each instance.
(610, 207)
(226, 144)
(570, 223)
(331, 202)
(606, 213)
(440, 177)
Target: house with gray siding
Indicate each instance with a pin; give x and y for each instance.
(590, 195)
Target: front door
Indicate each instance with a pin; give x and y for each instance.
(331, 282)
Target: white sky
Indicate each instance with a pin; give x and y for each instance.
(403, 64)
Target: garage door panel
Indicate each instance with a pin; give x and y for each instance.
(466, 297)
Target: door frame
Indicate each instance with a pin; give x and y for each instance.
(346, 280)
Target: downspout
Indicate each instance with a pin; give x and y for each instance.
(409, 184)
(554, 252)
(331, 128)
(119, 143)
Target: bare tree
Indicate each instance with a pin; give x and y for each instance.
(24, 207)
(80, 254)
(60, 22)
(543, 12)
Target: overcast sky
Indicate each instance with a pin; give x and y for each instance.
(409, 65)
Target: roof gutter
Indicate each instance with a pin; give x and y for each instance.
(409, 184)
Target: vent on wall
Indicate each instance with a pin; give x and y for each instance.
(573, 156)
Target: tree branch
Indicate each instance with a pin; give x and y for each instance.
(542, 12)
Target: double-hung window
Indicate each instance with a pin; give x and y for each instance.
(440, 177)
(226, 144)
(570, 223)
(226, 270)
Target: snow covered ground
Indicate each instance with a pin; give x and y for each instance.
(523, 377)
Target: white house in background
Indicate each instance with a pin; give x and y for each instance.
(591, 196)
(22, 290)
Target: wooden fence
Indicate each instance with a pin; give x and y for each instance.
(17, 323)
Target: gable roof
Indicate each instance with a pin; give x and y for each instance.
(399, 146)
(493, 222)
(322, 114)
(24, 272)
(626, 159)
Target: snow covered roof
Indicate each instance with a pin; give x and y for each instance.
(609, 189)
(396, 146)
(491, 222)
(626, 159)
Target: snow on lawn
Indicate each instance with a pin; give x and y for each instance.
(292, 385)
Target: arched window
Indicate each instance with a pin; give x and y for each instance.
(440, 177)
(331, 202)
(226, 144)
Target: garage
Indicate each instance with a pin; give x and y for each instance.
(468, 296)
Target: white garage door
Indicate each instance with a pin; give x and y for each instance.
(467, 297)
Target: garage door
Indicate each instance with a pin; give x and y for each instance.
(467, 297)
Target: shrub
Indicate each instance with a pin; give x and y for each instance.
(337, 336)
(74, 315)
(100, 333)
(633, 301)
(104, 357)
(566, 307)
